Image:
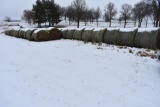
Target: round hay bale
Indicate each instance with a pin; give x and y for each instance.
(148, 38)
(86, 35)
(11, 32)
(14, 33)
(40, 35)
(17, 33)
(69, 34)
(110, 36)
(6, 32)
(64, 32)
(22, 33)
(77, 35)
(28, 33)
(126, 36)
(97, 35)
(55, 34)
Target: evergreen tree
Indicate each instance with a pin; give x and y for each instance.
(38, 13)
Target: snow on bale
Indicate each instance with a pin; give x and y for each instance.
(148, 38)
(97, 35)
(69, 33)
(77, 35)
(40, 35)
(28, 33)
(55, 34)
(126, 36)
(110, 36)
(86, 35)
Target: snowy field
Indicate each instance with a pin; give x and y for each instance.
(67, 73)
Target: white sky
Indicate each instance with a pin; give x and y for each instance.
(14, 8)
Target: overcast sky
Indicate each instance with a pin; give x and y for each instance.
(14, 8)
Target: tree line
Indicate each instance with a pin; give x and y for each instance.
(48, 11)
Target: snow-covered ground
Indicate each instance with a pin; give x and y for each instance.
(67, 73)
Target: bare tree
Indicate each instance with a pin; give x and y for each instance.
(110, 12)
(79, 7)
(126, 11)
(28, 15)
(69, 13)
(91, 15)
(139, 11)
(97, 14)
(134, 16)
(7, 19)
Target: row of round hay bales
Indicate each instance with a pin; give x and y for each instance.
(32, 34)
(133, 37)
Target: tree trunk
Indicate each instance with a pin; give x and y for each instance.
(157, 18)
(125, 23)
(110, 23)
(78, 23)
(97, 22)
(135, 23)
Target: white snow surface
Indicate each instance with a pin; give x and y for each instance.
(111, 29)
(66, 73)
(98, 29)
(147, 29)
(127, 29)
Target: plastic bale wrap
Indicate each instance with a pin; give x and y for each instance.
(29, 33)
(64, 32)
(110, 36)
(55, 34)
(86, 35)
(69, 33)
(77, 35)
(148, 38)
(126, 36)
(40, 35)
(97, 35)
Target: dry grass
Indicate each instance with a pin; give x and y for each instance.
(148, 53)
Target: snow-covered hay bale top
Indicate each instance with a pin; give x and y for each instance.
(29, 33)
(77, 35)
(97, 35)
(40, 35)
(134, 37)
(55, 34)
(148, 38)
(126, 36)
(110, 36)
(86, 34)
